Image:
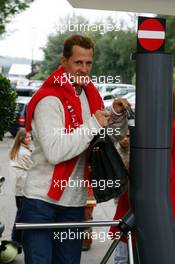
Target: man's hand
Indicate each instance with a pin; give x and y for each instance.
(102, 117)
(121, 104)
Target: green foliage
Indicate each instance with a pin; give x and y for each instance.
(170, 38)
(113, 57)
(112, 50)
(54, 47)
(7, 105)
(9, 8)
(52, 54)
(170, 34)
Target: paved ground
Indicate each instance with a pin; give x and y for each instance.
(104, 211)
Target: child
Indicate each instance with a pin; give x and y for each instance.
(121, 251)
(20, 162)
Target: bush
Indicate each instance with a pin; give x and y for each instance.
(7, 105)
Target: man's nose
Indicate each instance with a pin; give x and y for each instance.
(84, 68)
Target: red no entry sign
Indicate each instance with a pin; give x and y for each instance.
(151, 34)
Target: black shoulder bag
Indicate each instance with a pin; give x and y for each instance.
(108, 172)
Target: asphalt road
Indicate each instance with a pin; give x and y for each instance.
(104, 211)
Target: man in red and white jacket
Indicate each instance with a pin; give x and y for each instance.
(63, 116)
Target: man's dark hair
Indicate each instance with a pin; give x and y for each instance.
(82, 41)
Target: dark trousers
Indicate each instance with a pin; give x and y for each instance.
(88, 216)
(46, 246)
(17, 234)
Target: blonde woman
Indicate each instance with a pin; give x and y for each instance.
(20, 162)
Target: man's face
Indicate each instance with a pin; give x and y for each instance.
(79, 65)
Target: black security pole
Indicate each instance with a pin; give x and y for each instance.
(150, 159)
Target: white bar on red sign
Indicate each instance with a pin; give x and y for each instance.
(150, 34)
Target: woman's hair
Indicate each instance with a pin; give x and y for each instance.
(19, 139)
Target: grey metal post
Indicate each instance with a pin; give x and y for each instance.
(150, 159)
(97, 223)
(130, 248)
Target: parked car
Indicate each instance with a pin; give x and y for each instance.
(105, 87)
(128, 87)
(108, 99)
(119, 92)
(131, 97)
(101, 88)
(20, 121)
(111, 86)
(35, 84)
(123, 90)
(27, 87)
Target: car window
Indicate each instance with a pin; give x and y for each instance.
(108, 97)
(27, 93)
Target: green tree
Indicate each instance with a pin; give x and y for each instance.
(54, 46)
(170, 38)
(9, 8)
(112, 49)
(52, 55)
(7, 105)
(170, 34)
(113, 57)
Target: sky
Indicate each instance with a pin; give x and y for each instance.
(27, 33)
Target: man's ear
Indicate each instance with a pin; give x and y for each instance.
(63, 60)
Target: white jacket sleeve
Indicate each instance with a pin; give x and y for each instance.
(24, 162)
(49, 124)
